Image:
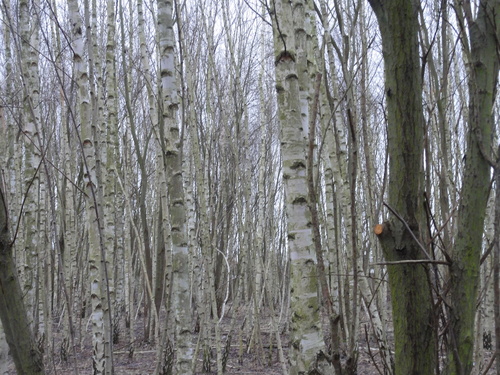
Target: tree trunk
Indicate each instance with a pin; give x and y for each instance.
(305, 337)
(402, 234)
(177, 207)
(27, 358)
(464, 275)
(101, 338)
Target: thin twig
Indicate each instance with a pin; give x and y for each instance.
(412, 261)
(372, 356)
(409, 230)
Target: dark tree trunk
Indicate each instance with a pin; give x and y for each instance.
(27, 358)
(466, 254)
(405, 230)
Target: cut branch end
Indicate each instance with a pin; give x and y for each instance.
(378, 229)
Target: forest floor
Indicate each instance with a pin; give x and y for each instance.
(260, 360)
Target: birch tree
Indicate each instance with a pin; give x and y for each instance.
(102, 352)
(305, 336)
(177, 208)
(33, 178)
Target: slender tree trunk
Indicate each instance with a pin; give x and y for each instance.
(29, 46)
(496, 268)
(101, 338)
(7, 143)
(172, 152)
(111, 202)
(465, 269)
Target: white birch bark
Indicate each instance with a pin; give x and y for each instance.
(7, 142)
(177, 206)
(336, 143)
(112, 202)
(101, 355)
(128, 292)
(343, 159)
(201, 214)
(208, 186)
(158, 268)
(305, 336)
(30, 43)
(104, 186)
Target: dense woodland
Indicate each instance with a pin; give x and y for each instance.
(313, 179)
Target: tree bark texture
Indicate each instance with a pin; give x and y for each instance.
(305, 336)
(27, 357)
(177, 207)
(410, 290)
(464, 275)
